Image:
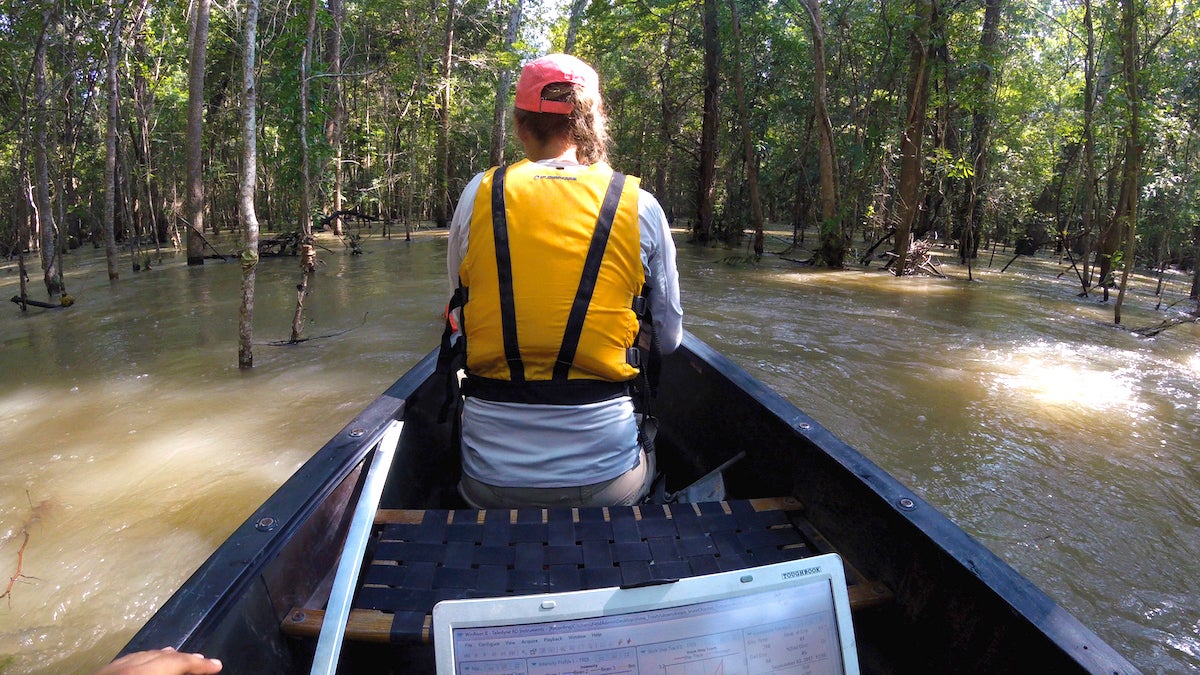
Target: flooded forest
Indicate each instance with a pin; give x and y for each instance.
(142, 124)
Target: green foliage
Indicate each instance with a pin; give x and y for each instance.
(945, 164)
(650, 58)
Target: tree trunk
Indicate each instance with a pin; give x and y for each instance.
(308, 252)
(68, 194)
(194, 141)
(132, 218)
(110, 147)
(249, 173)
(666, 123)
(574, 20)
(337, 107)
(442, 206)
(980, 124)
(750, 156)
(500, 114)
(23, 233)
(909, 184)
(832, 252)
(1088, 210)
(41, 164)
(1194, 292)
(1131, 174)
(411, 210)
(143, 102)
(702, 230)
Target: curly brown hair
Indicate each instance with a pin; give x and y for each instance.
(586, 125)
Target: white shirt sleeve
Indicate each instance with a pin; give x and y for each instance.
(460, 229)
(658, 256)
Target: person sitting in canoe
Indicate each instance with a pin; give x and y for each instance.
(557, 262)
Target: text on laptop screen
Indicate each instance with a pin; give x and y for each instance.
(784, 629)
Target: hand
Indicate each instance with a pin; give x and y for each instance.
(165, 661)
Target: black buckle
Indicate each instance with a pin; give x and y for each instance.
(633, 356)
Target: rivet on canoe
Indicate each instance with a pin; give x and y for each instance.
(803, 425)
(907, 504)
(298, 616)
(355, 433)
(265, 524)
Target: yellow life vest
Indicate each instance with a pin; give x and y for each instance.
(549, 297)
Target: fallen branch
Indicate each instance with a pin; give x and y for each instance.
(217, 254)
(36, 303)
(17, 575)
(1151, 331)
(35, 515)
(288, 343)
(866, 257)
(326, 220)
(739, 260)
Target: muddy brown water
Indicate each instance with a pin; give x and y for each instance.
(132, 445)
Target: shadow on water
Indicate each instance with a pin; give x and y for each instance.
(132, 445)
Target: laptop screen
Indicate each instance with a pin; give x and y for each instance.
(791, 617)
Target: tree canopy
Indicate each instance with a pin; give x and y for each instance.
(1025, 126)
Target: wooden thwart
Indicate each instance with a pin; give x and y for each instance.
(372, 625)
(365, 625)
(416, 517)
(437, 547)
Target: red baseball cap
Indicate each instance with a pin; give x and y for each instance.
(548, 70)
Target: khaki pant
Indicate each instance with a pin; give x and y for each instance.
(625, 490)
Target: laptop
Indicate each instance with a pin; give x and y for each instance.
(789, 617)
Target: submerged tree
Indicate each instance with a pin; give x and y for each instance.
(1127, 204)
(832, 251)
(194, 139)
(41, 161)
(308, 251)
(703, 227)
(110, 145)
(970, 214)
(335, 124)
(248, 175)
(442, 204)
(909, 196)
(749, 156)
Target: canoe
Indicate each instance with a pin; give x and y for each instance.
(926, 596)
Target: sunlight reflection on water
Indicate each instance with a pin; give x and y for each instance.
(1068, 376)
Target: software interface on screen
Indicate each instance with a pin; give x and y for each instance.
(784, 630)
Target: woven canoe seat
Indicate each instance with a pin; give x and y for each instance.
(424, 557)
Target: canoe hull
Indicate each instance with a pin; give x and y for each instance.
(955, 607)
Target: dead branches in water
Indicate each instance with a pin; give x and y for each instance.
(17, 576)
(1151, 331)
(920, 259)
(35, 515)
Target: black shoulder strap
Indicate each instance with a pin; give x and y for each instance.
(591, 271)
(508, 307)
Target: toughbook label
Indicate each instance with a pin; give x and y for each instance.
(792, 574)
